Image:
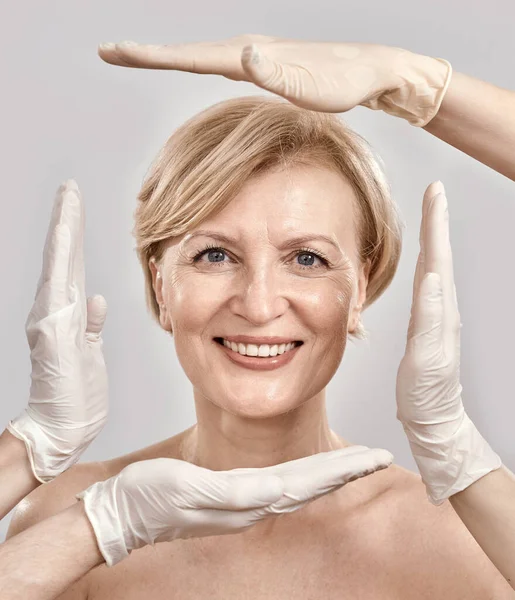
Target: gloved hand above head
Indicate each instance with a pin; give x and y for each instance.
(68, 400)
(321, 76)
(163, 499)
(449, 451)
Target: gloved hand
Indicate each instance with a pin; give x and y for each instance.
(449, 451)
(68, 401)
(321, 76)
(164, 499)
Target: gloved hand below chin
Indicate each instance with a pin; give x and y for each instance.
(164, 499)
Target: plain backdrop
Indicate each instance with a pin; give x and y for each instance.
(65, 113)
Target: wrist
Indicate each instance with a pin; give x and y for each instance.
(417, 87)
(81, 530)
(100, 506)
(451, 465)
(47, 456)
(15, 459)
(426, 79)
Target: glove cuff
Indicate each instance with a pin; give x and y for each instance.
(105, 520)
(423, 84)
(47, 460)
(449, 467)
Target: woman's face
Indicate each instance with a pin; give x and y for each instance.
(245, 273)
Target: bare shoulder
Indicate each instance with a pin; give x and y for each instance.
(434, 542)
(169, 448)
(50, 498)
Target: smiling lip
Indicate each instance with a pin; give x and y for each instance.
(263, 339)
(259, 364)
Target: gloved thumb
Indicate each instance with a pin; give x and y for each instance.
(265, 72)
(238, 491)
(97, 311)
(427, 309)
(255, 492)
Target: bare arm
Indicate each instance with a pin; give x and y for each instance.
(46, 559)
(487, 508)
(16, 477)
(478, 118)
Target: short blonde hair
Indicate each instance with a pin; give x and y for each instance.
(205, 163)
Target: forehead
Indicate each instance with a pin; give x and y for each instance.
(280, 202)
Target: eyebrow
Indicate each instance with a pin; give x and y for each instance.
(300, 239)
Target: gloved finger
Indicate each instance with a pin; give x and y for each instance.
(309, 463)
(97, 311)
(76, 219)
(212, 521)
(77, 226)
(332, 472)
(213, 58)
(222, 490)
(306, 462)
(282, 79)
(439, 260)
(311, 481)
(58, 216)
(427, 315)
(223, 522)
(421, 269)
(419, 273)
(53, 297)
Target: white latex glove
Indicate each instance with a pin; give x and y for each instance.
(449, 451)
(321, 76)
(68, 401)
(164, 499)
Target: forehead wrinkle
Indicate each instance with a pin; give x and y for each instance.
(217, 235)
(300, 238)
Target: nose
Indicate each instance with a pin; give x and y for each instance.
(262, 296)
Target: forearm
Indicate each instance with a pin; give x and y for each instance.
(44, 560)
(478, 118)
(487, 508)
(16, 477)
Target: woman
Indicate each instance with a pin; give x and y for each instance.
(367, 505)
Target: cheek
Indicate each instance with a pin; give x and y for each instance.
(192, 301)
(327, 305)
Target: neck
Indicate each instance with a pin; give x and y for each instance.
(222, 441)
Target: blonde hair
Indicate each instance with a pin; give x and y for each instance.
(205, 163)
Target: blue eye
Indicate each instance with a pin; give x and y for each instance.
(210, 251)
(312, 257)
(218, 253)
(309, 264)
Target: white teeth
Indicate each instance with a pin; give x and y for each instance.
(262, 350)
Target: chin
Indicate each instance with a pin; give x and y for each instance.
(256, 412)
(254, 407)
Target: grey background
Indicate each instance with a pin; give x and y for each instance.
(65, 114)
